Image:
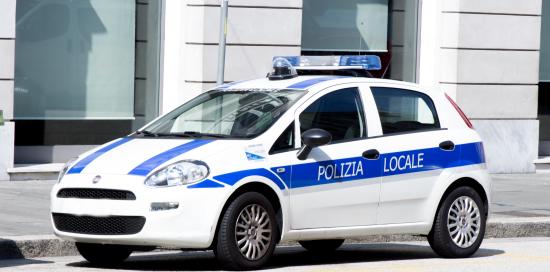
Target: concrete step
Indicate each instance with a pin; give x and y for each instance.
(48, 171)
(543, 163)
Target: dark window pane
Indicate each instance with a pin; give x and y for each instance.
(46, 22)
(339, 113)
(404, 110)
(285, 142)
(352, 25)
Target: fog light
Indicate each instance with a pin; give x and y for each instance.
(163, 206)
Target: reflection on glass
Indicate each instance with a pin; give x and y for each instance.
(404, 31)
(227, 113)
(387, 28)
(74, 59)
(353, 25)
(544, 82)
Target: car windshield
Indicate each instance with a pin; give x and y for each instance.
(235, 113)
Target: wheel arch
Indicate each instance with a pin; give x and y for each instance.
(465, 182)
(254, 186)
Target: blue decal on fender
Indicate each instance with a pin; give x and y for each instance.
(146, 167)
(283, 172)
(80, 165)
(232, 178)
(253, 157)
(208, 183)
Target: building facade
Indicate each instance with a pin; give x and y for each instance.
(75, 74)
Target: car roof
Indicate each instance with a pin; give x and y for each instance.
(310, 83)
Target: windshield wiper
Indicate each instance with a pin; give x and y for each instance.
(196, 134)
(186, 134)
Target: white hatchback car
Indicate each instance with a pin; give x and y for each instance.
(314, 159)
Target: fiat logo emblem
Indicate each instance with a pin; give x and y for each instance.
(96, 179)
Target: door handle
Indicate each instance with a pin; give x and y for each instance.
(447, 146)
(371, 154)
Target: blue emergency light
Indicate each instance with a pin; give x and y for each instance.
(285, 67)
(366, 62)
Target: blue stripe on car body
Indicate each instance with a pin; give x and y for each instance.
(149, 165)
(80, 165)
(306, 175)
(207, 183)
(312, 81)
(284, 173)
(232, 178)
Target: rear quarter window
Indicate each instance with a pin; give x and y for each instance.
(404, 110)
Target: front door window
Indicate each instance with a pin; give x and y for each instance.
(340, 113)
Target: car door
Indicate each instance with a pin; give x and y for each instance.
(414, 151)
(334, 186)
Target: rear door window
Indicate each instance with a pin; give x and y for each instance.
(403, 110)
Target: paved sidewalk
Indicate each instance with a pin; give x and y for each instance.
(521, 195)
(24, 205)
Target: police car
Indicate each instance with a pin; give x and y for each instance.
(307, 154)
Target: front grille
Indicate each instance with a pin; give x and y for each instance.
(89, 193)
(110, 225)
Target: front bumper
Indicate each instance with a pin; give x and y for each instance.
(191, 225)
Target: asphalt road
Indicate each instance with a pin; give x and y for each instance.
(517, 254)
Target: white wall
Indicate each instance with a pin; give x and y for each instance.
(485, 54)
(257, 31)
(7, 56)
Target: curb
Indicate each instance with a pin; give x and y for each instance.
(518, 227)
(35, 246)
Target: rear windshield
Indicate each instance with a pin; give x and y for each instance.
(235, 113)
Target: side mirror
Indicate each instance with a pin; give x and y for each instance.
(313, 138)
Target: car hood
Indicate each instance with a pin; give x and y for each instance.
(141, 156)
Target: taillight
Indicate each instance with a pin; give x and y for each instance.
(460, 112)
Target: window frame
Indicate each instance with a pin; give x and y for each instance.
(433, 108)
(273, 152)
(155, 124)
(319, 95)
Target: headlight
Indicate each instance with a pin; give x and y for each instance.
(179, 173)
(65, 169)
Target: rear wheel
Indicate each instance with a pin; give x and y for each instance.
(248, 232)
(103, 255)
(459, 226)
(322, 246)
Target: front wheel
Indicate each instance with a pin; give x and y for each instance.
(247, 233)
(459, 225)
(103, 255)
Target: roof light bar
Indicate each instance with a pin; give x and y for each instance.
(367, 62)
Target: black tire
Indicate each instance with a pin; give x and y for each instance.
(103, 255)
(440, 238)
(322, 246)
(227, 248)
